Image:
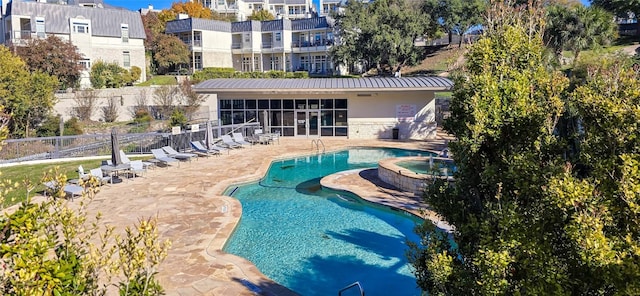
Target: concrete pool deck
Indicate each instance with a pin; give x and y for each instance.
(192, 212)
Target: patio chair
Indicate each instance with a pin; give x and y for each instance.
(97, 173)
(175, 154)
(69, 189)
(238, 138)
(229, 143)
(162, 157)
(81, 174)
(125, 159)
(137, 167)
(198, 147)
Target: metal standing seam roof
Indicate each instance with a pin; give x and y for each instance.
(189, 24)
(329, 84)
(104, 21)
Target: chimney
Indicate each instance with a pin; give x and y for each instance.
(150, 7)
(182, 16)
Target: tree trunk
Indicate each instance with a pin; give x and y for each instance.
(460, 41)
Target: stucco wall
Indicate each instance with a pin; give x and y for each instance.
(126, 98)
(375, 116)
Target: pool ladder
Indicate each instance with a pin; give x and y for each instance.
(315, 143)
(356, 284)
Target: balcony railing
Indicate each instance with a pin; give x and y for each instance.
(20, 37)
(267, 45)
(236, 45)
(312, 43)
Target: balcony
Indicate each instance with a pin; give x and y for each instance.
(313, 43)
(21, 37)
(236, 45)
(267, 45)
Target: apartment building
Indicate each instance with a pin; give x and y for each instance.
(327, 6)
(289, 9)
(100, 31)
(283, 44)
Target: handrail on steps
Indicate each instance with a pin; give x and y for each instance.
(316, 143)
(355, 284)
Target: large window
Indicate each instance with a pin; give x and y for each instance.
(281, 113)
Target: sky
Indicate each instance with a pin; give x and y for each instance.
(162, 4)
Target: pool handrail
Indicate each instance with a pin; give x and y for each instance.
(351, 286)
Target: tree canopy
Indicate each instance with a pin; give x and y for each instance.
(531, 214)
(621, 8)
(26, 97)
(261, 15)
(456, 16)
(170, 51)
(381, 34)
(577, 28)
(53, 56)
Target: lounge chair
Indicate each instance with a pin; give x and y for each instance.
(229, 143)
(198, 147)
(217, 147)
(97, 173)
(162, 157)
(238, 138)
(125, 159)
(175, 154)
(69, 189)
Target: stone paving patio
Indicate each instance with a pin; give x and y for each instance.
(192, 212)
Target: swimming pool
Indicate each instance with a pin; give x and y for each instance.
(316, 241)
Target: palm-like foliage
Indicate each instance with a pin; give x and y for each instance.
(578, 28)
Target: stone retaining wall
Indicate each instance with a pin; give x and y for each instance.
(404, 179)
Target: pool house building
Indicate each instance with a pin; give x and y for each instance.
(357, 108)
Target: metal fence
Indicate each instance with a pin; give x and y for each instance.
(18, 150)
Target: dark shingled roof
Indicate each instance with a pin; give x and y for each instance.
(358, 84)
(189, 24)
(104, 21)
(309, 23)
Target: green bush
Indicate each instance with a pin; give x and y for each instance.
(178, 118)
(108, 75)
(50, 127)
(213, 73)
(73, 127)
(135, 72)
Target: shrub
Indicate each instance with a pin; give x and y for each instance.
(72, 127)
(110, 111)
(108, 75)
(85, 103)
(178, 118)
(50, 127)
(135, 72)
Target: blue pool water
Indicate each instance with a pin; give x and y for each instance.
(316, 241)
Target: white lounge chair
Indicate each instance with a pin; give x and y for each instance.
(81, 174)
(178, 155)
(238, 138)
(227, 141)
(162, 157)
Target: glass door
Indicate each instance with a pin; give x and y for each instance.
(307, 123)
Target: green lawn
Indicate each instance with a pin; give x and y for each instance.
(30, 176)
(159, 80)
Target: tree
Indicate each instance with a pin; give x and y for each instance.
(164, 99)
(261, 15)
(531, 215)
(456, 16)
(153, 26)
(192, 100)
(578, 28)
(85, 104)
(193, 9)
(381, 33)
(53, 56)
(621, 8)
(170, 51)
(27, 97)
